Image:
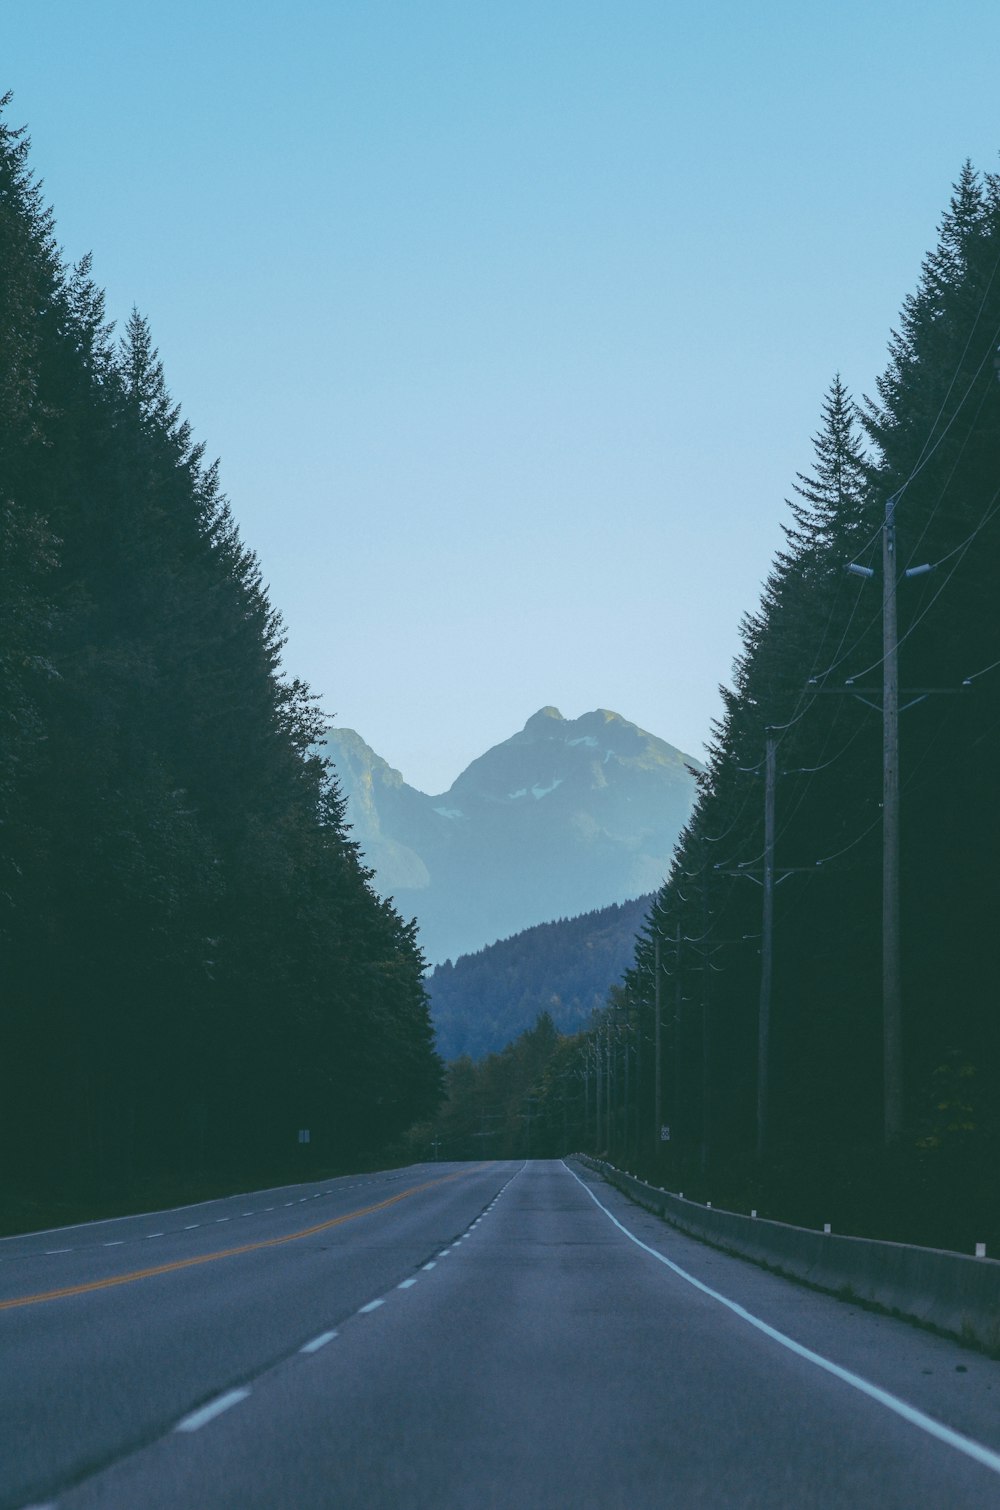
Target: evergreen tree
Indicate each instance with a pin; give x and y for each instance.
(195, 962)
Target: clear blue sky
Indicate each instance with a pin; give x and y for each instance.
(510, 322)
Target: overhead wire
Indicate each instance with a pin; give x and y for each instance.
(929, 448)
(993, 508)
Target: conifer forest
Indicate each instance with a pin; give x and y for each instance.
(811, 1022)
(195, 967)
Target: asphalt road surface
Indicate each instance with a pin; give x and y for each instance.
(496, 1335)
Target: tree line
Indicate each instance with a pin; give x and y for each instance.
(701, 1070)
(907, 481)
(195, 964)
(564, 969)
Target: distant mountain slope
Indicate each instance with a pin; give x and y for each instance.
(564, 817)
(484, 1001)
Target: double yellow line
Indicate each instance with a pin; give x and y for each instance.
(211, 1258)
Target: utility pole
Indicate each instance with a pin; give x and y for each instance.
(626, 1124)
(600, 1092)
(766, 948)
(706, 1028)
(586, 1096)
(891, 987)
(675, 1115)
(657, 1065)
(609, 1068)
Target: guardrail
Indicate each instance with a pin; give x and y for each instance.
(950, 1292)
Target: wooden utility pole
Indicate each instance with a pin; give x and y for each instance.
(626, 1108)
(891, 987)
(675, 1113)
(598, 1101)
(766, 949)
(657, 1049)
(706, 1027)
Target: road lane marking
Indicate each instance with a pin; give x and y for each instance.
(192, 1226)
(966, 1445)
(132, 1275)
(431, 1265)
(372, 1305)
(318, 1342)
(119, 1242)
(406, 1284)
(50, 1251)
(199, 1418)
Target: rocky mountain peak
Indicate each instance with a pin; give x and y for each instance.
(566, 816)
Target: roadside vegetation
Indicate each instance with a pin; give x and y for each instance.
(196, 970)
(881, 1123)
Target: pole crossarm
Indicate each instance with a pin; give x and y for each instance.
(865, 694)
(757, 876)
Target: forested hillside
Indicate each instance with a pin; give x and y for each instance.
(194, 964)
(907, 482)
(564, 970)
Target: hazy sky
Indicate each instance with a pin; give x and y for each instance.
(510, 319)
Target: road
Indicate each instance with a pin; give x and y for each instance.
(498, 1335)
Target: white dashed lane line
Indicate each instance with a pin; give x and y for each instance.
(318, 1342)
(406, 1284)
(199, 1418)
(372, 1305)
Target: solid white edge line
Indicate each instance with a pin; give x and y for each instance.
(971, 1449)
(318, 1342)
(199, 1418)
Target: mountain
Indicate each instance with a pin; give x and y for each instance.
(484, 1001)
(564, 817)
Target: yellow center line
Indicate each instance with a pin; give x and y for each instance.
(209, 1258)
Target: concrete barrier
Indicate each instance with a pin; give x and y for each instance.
(951, 1292)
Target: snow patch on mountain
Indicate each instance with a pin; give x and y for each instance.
(543, 791)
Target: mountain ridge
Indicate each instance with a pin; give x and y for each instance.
(563, 817)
